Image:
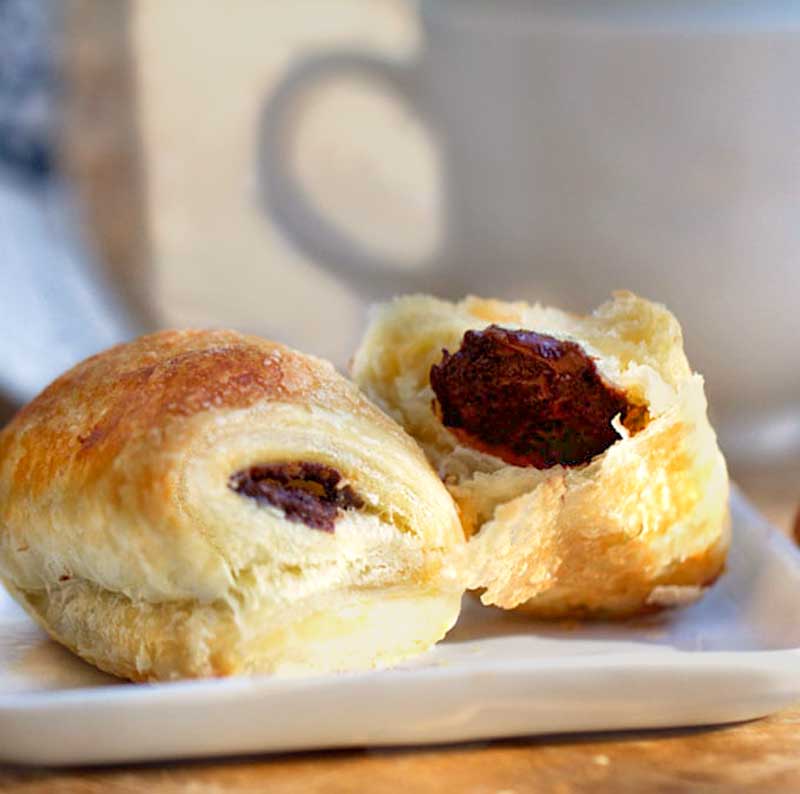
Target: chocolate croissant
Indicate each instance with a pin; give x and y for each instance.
(203, 503)
(577, 448)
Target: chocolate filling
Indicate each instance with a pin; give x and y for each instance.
(529, 399)
(308, 493)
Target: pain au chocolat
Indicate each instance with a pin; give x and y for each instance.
(578, 449)
(205, 503)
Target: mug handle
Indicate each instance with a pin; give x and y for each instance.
(287, 201)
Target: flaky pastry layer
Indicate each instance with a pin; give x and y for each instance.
(121, 534)
(641, 525)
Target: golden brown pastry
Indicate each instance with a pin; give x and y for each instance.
(577, 448)
(204, 503)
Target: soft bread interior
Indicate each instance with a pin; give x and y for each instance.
(605, 537)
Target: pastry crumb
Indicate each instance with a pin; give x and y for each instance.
(672, 595)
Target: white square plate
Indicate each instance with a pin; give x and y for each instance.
(734, 655)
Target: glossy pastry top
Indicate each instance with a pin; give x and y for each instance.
(148, 388)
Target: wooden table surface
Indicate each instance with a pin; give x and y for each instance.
(758, 756)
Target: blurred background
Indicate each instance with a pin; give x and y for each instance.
(275, 167)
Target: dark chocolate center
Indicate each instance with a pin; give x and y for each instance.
(308, 493)
(527, 398)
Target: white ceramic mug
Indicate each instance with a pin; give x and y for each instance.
(589, 145)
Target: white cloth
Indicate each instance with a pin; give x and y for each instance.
(54, 307)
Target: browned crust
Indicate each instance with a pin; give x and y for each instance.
(148, 389)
